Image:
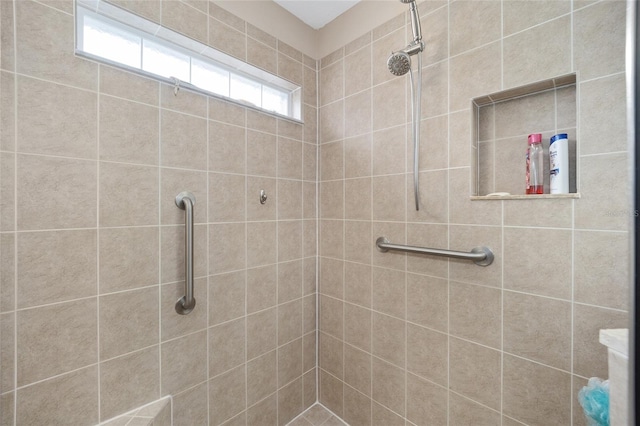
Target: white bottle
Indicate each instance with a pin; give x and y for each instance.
(559, 164)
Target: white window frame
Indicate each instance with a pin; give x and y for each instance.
(172, 41)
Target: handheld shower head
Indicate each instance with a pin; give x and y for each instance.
(399, 63)
(415, 20)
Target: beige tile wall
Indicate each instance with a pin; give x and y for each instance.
(408, 339)
(88, 287)
(91, 159)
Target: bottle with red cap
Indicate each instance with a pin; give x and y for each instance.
(535, 176)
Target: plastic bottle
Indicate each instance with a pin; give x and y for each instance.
(535, 185)
(528, 171)
(559, 164)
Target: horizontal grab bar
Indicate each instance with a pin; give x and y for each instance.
(482, 256)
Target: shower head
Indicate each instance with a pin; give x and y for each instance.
(399, 63)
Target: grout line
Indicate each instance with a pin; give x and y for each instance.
(533, 361)
(572, 41)
(460, 395)
(604, 154)
(277, 257)
(573, 304)
(501, 49)
(44, 80)
(537, 26)
(48, 6)
(15, 216)
(56, 376)
(602, 77)
(448, 192)
(371, 255)
(410, 95)
(209, 280)
(98, 354)
(344, 227)
(160, 274)
(502, 294)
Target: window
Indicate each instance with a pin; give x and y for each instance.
(109, 34)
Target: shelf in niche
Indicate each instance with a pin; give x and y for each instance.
(501, 123)
(569, 196)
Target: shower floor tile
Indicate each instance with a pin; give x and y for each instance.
(317, 415)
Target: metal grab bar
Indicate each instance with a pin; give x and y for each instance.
(185, 201)
(482, 256)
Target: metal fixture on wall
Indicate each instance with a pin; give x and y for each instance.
(185, 201)
(482, 256)
(399, 63)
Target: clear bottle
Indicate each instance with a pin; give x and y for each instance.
(528, 172)
(535, 182)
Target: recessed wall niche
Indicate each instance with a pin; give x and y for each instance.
(501, 124)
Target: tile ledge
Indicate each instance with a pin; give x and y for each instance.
(153, 413)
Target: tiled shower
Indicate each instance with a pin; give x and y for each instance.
(92, 157)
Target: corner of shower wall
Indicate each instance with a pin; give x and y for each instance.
(404, 338)
(91, 159)
(155, 413)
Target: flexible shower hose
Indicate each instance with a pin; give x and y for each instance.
(416, 105)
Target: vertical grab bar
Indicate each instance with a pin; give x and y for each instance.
(185, 201)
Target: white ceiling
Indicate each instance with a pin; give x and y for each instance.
(317, 13)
